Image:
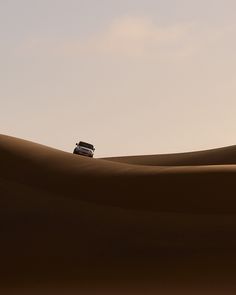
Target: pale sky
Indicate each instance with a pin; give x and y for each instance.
(129, 76)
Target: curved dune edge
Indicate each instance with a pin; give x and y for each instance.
(67, 219)
(218, 156)
(199, 189)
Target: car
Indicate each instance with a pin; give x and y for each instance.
(84, 149)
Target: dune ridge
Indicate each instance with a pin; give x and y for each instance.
(218, 156)
(120, 184)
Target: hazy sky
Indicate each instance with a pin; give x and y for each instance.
(129, 76)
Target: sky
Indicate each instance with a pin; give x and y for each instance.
(129, 76)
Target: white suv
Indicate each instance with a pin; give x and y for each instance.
(84, 149)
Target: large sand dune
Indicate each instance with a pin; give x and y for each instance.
(71, 219)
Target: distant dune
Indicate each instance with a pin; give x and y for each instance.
(220, 156)
(67, 219)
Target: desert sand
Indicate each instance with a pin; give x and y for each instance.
(72, 221)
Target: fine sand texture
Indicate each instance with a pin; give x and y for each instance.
(73, 221)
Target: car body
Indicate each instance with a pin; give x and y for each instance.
(84, 149)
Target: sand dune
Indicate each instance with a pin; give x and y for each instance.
(118, 184)
(67, 219)
(220, 156)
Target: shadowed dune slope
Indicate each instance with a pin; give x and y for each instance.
(68, 218)
(219, 156)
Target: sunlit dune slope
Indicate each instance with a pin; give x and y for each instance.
(219, 156)
(68, 218)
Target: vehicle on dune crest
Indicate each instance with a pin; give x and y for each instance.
(84, 149)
